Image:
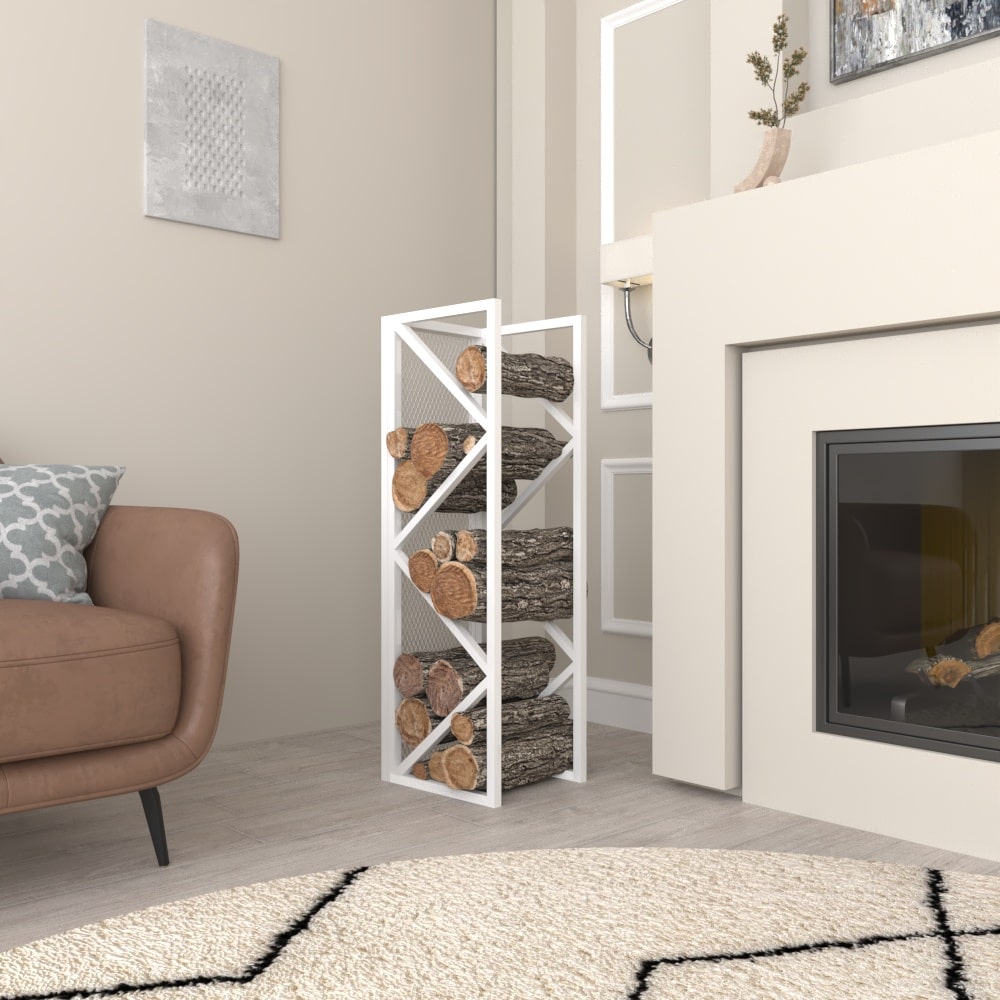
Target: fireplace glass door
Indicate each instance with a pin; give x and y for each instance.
(908, 610)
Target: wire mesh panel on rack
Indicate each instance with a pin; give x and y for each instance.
(423, 397)
(482, 707)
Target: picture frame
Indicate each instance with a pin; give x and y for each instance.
(868, 36)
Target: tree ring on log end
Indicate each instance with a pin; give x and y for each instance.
(423, 566)
(453, 592)
(408, 675)
(466, 546)
(988, 640)
(948, 673)
(397, 441)
(471, 368)
(462, 728)
(413, 721)
(409, 487)
(460, 768)
(428, 449)
(444, 687)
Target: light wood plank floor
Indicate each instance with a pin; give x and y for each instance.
(312, 803)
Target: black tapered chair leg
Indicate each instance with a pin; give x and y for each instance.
(154, 820)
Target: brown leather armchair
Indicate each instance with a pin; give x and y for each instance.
(125, 695)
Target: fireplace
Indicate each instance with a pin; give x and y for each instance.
(908, 586)
(870, 314)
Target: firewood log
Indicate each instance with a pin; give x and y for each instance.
(423, 566)
(950, 671)
(524, 451)
(525, 666)
(410, 489)
(529, 547)
(430, 767)
(516, 717)
(413, 720)
(397, 442)
(524, 759)
(532, 593)
(988, 639)
(432, 445)
(526, 375)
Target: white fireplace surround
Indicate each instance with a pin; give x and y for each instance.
(867, 296)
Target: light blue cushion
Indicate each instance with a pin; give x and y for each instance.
(48, 515)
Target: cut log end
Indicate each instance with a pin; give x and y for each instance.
(460, 768)
(471, 369)
(462, 728)
(988, 640)
(454, 592)
(948, 673)
(413, 721)
(443, 545)
(466, 546)
(444, 687)
(423, 565)
(409, 487)
(397, 441)
(428, 449)
(408, 675)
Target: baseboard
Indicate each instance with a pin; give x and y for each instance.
(618, 703)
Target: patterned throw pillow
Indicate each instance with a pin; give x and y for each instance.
(48, 515)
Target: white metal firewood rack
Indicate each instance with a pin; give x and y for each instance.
(404, 331)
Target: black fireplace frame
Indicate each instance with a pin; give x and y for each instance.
(829, 445)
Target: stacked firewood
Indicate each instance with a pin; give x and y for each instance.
(537, 731)
(972, 655)
(428, 454)
(536, 582)
(536, 585)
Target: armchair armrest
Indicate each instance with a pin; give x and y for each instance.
(179, 565)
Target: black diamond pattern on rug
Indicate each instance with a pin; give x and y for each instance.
(250, 973)
(653, 978)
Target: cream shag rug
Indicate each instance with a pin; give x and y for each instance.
(590, 924)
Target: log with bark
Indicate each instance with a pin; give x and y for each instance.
(524, 759)
(516, 717)
(430, 767)
(529, 547)
(525, 666)
(526, 375)
(524, 451)
(397, 442)
(432, 446)
(410, 489)
(413, 720)
(988, 639)
(950, 671)
(531, 593)
(423, 565)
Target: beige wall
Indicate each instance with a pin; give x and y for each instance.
(233, 372)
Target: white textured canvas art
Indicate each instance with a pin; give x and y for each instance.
(211, 132)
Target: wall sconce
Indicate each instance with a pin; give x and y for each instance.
(627, 264)
(627, 293)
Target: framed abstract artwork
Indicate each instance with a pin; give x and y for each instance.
(871, 35)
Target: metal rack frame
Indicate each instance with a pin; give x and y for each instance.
(402, 330)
